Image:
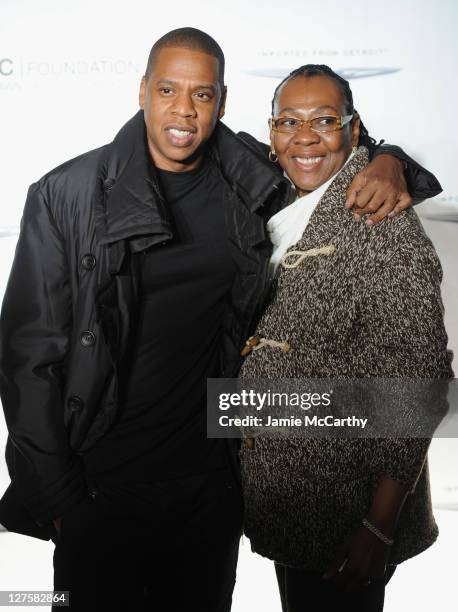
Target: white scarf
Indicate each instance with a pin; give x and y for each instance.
(287, 226)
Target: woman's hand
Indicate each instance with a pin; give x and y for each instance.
(379, 190)
(363, 561)
(365, 556)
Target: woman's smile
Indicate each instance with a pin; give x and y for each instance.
(307, 163)
(310, 157)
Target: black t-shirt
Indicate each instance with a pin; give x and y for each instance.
(161, 430)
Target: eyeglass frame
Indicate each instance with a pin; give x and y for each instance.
(343, 121)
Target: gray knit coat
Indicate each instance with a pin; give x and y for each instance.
(371, 309)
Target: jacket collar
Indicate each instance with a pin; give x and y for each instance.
(131, 205)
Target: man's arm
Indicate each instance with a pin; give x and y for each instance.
(389, 184)
(421, 183)
(35, 327)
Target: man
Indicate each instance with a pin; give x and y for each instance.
(140, 270)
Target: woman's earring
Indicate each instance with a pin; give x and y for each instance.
(354, 149)
(273, 156)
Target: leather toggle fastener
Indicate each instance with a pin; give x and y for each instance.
(249, 345)
(255, 343)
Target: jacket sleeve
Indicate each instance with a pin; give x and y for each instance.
(406, 339)
(421, 183)
(35, 326)
(261, 148)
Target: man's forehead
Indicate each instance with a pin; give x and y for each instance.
(175, 63)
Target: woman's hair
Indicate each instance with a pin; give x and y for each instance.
(310, 70)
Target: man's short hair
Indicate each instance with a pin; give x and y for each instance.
(188, 38)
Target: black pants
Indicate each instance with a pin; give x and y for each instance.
(152, 547)
(305, 591)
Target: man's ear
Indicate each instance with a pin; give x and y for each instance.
(141, 93)
(355, 129)
(222, 104)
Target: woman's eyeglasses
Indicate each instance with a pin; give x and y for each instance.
(289, 125)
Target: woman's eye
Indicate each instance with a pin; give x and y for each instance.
(326, 120)
(290, 122)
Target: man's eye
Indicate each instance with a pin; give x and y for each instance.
(165, 90)
(202, 95)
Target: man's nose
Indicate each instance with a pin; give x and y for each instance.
(184, 106)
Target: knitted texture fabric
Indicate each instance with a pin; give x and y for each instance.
(371, 308)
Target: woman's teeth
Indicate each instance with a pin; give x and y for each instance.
(309, 160)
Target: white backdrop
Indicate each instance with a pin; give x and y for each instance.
(69, 76)
(69, 71)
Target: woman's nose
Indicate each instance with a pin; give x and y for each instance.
(305, 135)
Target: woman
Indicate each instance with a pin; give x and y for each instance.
(350, 301)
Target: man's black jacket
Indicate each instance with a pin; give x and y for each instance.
(70, 305)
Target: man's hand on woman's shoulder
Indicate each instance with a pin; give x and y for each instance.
(380, 190)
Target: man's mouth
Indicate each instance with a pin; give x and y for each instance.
(180, 137)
